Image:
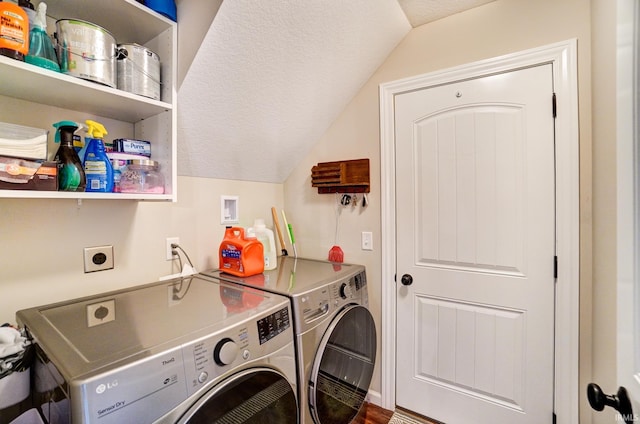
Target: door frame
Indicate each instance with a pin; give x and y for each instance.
(563, 57)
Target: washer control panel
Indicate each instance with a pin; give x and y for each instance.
(212, 356)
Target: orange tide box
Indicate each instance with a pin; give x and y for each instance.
(241, 256)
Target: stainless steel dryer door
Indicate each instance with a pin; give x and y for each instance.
(343, 367)
(253, 396)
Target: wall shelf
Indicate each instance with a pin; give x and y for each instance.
(347, 176)
(37, 97)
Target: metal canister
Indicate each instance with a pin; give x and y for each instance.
(86, 51)
(138, 70)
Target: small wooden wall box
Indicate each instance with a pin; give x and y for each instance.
(347, 176)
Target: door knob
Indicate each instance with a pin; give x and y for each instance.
(620, 401)
(406, 279)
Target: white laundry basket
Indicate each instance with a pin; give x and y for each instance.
(30, 416)
(14, 388)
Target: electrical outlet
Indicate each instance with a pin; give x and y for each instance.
(367, 240)
(170, 241)
(98, 258)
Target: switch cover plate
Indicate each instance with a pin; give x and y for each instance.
(98, 258)
(367, 240)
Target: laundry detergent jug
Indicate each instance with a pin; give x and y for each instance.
(241, 256)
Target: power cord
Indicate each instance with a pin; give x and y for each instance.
(174, 252)
(178, 288)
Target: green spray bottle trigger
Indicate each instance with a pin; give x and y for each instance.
(60, 124)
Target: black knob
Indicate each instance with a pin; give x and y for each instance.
(406, 279)
(345, 291)
(225, 352)
(620, 401)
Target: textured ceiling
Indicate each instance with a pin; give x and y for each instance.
(271, 76)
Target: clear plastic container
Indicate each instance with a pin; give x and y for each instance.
(142, 176)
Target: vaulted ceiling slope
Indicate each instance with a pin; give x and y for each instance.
(271, 76)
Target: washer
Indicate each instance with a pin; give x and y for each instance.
(335, 333)
(189, 350)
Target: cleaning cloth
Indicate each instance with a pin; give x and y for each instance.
(12, 349)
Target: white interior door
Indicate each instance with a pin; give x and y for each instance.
(475, 217)
(626, 397)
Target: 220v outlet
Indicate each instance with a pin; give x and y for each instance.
(98, 258)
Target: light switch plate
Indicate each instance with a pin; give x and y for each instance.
(367, 240)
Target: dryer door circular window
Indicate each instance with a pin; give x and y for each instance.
(257, 395)
(343, 367)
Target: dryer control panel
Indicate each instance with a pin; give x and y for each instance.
(311, 307)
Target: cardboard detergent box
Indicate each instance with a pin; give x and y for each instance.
(22, 174)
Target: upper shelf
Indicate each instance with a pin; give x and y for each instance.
(28, 82)
(127, 20)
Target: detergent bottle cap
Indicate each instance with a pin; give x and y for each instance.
(259, 224)
(95, 129)
(61, 124)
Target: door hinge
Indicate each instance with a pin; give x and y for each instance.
(554, 105)
(555, 267)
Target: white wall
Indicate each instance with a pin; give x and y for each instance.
(491, 30)
(42, 241)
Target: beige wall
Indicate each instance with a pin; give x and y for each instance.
(495, 29)
(42, 240)
(41, 259)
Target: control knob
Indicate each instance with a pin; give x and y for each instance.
(346, 291)
(225, 352)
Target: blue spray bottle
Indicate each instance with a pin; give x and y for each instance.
(97, 167)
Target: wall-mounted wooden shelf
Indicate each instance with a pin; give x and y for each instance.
(347, 176)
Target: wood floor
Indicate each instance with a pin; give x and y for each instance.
(372, 414)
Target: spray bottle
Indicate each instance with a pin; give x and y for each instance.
(70, 172)
(97, 165)
(41, 52)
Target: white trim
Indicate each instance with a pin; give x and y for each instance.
(374, 398)
(563, 57)
(628, 246)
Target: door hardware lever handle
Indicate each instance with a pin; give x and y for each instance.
(620, 401)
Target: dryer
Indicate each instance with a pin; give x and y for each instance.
(190, 350)
(335, 333)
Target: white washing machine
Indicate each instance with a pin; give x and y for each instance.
(192, 350)
(335, 333)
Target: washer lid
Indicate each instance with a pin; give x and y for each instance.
(102, 332)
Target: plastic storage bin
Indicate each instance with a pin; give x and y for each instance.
(142, 176)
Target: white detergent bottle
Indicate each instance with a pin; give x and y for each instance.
(265, 236)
